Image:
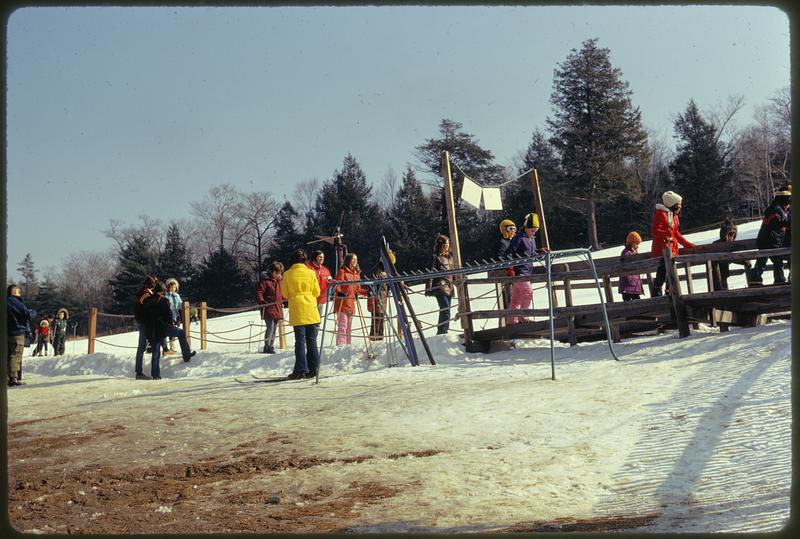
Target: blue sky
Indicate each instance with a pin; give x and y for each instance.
(113, 112)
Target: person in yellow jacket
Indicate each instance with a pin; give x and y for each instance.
(301, 287)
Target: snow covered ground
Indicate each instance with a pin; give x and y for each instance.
(682, 435)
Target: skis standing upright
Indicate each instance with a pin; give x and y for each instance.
(397, 293)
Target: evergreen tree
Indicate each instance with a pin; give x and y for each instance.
(476, 228)
(174, 261)
(596, 130)
(699, 170)
(348, 197)
(27, 270)
(287, 239)
(221, 283)
(47, 299)
(137, 259)
(411, 224)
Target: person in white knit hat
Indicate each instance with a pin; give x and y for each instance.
(665, 233)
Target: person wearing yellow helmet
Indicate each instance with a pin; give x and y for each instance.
(507, 232)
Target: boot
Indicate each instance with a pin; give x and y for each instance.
(265, 350)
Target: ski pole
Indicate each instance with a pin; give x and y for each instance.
(370, 353)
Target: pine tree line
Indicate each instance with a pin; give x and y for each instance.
(601, 175)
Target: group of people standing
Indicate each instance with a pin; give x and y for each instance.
(156, 309)
(51, 330)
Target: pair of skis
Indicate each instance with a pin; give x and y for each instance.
(399, 292)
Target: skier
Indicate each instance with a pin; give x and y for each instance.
(665, 233)
(43, 337)
(301, 287)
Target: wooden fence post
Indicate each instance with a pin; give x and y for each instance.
(186, 321)
(675, 293)
(282, 334)
(203, 308)
(573, 337)
(455, 247)
(537, 202)
(92, 329)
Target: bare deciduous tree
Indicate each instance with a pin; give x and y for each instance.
(387, 190)
(219, 214)
(259, 212)
(151, 228)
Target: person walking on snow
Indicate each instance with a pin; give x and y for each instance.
(270, 297)
(630, 286)
(301, 287)
(523, 245)
(665, 233)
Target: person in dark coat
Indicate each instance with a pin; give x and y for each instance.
(18, 320)
(159, 325)
(143, 297)
(772, 235)
(721, 270)
(507, 232)
(442, 288)
(270, 297)
(60, 331)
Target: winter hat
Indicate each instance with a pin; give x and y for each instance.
(531, 221)
(504, 224)
(44, 324)
(170, 281)
(392, 257)
(633, 237)
(670, 198)
(63, 310)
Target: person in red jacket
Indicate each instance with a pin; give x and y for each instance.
(665, 233)
(317, 265)
(346, 296)
(270, 297)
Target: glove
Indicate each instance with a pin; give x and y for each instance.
(544, 250)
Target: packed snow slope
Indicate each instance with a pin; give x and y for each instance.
(681, 435)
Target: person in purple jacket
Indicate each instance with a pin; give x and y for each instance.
(523, 245)
(630, 286)
(270, 297)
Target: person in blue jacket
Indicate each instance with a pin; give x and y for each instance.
(18, 319)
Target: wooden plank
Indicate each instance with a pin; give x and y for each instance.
(675, 294)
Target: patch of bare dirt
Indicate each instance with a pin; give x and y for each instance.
(212, 494)
(599, 524)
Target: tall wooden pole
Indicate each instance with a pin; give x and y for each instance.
(537, 201)
(92, 329)
(186, 321)
(455, 246)
(203, 308)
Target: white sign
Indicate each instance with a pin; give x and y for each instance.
(491, 198)
(471, 193)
